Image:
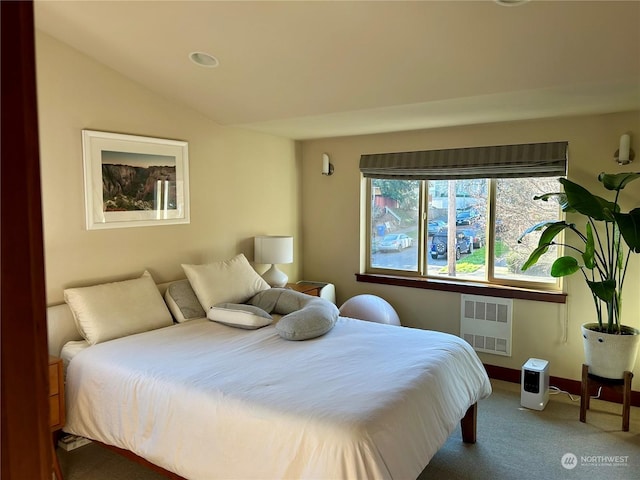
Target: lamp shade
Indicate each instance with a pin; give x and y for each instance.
(270, 249)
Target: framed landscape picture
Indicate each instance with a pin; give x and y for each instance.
(134, 181)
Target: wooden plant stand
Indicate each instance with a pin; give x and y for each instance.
(590, 382)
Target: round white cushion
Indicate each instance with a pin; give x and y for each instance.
(370, 308)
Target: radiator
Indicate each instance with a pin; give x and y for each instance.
(485, 323)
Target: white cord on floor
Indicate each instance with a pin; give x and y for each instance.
(598, 395)
(555, 391)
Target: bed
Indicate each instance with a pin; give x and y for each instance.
(205, 400)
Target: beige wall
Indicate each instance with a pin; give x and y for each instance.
(332, 223)
(242, 183)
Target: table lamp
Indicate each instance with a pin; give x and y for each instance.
(273, 249)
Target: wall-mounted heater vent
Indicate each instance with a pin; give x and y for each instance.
(485, 323)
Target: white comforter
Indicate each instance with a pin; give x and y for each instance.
(208, 401)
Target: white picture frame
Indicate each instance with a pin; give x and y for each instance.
(134, 181)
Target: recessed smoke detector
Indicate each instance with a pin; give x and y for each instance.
(510, 3)
(204, 59)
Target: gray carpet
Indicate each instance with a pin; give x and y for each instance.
(517, 443)
(513, 443)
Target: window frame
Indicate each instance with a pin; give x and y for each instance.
(549, 291)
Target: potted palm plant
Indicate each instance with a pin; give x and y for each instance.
(605, 245)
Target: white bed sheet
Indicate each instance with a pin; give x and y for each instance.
(71, 349)
(208, 401)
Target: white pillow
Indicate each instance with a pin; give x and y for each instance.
(231, 281)
(241, 316)
(113, 310)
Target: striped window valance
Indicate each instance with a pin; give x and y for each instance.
(500, 161)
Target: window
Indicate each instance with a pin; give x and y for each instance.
(461, 227)
(395, 211)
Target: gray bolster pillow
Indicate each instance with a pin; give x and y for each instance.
(304, 317)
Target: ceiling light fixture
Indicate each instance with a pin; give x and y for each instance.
(204, 59)
(510, 3)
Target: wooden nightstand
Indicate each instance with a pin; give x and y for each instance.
(308, 288)
(56, 407)
(315, 289)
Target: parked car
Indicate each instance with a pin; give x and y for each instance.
(395, 241)
(466, 217)
(439, 245)
(476, 236)
(435, 226)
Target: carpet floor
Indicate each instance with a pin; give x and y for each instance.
(518, 443)
(513, 443)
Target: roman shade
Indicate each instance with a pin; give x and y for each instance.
(499, 161)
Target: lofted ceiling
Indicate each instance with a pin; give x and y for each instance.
(330, 68)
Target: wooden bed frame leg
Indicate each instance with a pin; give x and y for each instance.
(469, 423)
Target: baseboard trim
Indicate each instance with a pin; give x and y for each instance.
(571, 386)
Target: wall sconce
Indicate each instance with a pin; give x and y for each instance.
(624, 155)
(327, 167)
(273, 249)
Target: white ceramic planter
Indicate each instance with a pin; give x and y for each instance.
(610, 355)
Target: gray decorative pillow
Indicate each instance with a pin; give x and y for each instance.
(182, 301)
(239, 315)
